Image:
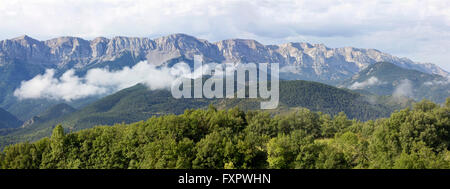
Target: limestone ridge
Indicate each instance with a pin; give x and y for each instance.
(301, 60)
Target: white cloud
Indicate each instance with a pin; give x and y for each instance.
(367, 83)
(403, 89)
(98, 82)
(101, 81)
(444, 81)
(414, 28)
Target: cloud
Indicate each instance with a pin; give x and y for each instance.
(98, 81)
(101, 81)
(403, 89)
(369, 82)
(444, 81)
(271, 19)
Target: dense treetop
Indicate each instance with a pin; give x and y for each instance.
(415, 137)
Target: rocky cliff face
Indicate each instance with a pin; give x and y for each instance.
(24, 48)
(303, 60)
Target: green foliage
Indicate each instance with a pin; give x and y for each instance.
(296, 150)
(414, 138)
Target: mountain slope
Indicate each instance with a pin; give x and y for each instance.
(139, 103)
(7, 120)
(388, 79)
(52, 114)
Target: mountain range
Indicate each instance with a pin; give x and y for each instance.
(309, 60)
(23, 58)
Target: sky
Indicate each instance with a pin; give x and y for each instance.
(416, 29)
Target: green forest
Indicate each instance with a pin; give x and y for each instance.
(412, 138)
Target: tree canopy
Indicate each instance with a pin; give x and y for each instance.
(417, 137)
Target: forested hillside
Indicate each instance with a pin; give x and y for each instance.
(7, 120)
(415, 137)
(139, 103)
(385, 78)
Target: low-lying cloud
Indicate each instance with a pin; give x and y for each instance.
(370, 82)
(101, 81)
(445, 81)
(403, 89)
(98, 81)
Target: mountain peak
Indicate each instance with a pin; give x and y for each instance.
(381, 69)
(26, 39)
(239, 40)
(387, 67)
(22, 37)
(98, 39)
(239, 44)
(55, 42)
(179, 37)
(297, 45)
